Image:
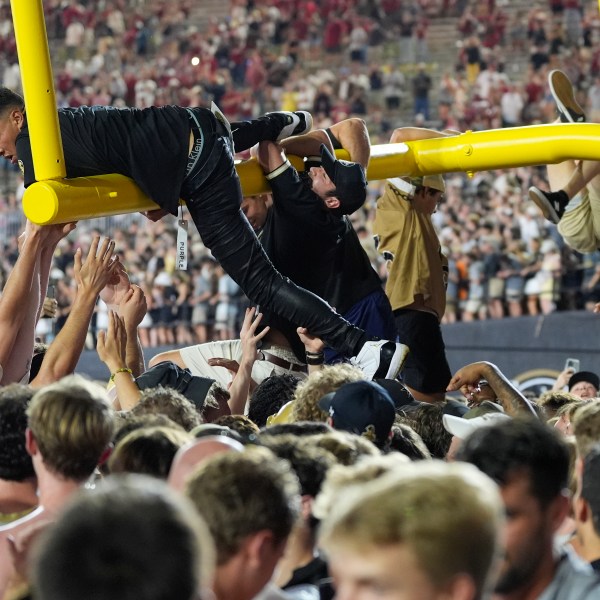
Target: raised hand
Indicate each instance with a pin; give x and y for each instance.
(132, 307)
(116, 289)
(248, 334)
(311, 343)
(111, 345)
(99, 267)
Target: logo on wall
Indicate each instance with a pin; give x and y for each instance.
(535, 382)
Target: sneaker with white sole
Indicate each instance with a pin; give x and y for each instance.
(381, 359)
(561, 88)
(297, 123)
(552, 204)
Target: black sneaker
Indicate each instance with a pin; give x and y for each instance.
(569, 110)
(296, 123)
(552, 204)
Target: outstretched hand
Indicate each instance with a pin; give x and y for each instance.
(99, 267)
(467, 378)
(116, 289)
(248, 334)
(233, 366)
(133, 307)
(111, 345)
(311, 343)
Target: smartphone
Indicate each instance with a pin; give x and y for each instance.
(572, 363)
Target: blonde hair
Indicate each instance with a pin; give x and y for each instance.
(341, 478)
(347, 447)
(447, 515)
(148, 451)
(553, 400)
(316, 385)
(586, 426)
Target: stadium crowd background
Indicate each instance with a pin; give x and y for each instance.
(437, 63)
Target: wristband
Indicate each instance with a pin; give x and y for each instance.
(121, 370)
(315, 358)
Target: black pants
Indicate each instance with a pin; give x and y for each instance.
(215, 209)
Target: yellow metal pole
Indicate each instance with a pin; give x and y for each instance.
(38, 89)
(470, 152)
(62, 201)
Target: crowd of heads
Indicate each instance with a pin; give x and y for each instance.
(150, 503)
(332, 482)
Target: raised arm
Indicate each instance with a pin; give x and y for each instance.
(354, 137)
(351, 133)
(19, 306)
(132, 310)
(63, 353)
(111, 347)
(242, 382)
(511, 399)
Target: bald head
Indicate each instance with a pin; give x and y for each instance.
(191, 455)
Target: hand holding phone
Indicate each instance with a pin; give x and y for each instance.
(572, 363)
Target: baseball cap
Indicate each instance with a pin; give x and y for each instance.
(586, 376)
(462, 428)
(435, 182)
(361, 406)
(349, 179)
(399, 393)
(487, 406)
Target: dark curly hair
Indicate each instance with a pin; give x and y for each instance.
(270, 395)
(15, 462)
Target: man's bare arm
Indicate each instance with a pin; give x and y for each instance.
(511, 399)
(63, 353)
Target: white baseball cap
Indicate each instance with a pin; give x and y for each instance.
(462, 428)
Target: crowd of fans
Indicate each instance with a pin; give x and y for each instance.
(504, 258)
(158, 484)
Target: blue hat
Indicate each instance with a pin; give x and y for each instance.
(361, 407)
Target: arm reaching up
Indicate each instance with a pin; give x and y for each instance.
(241, 385)
(92, 275)
(132, 310)
(111, 347)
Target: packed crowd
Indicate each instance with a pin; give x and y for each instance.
(316, 456)
(504, 259)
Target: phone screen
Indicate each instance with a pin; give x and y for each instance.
(572, 363)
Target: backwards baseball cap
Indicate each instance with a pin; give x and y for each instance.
(361, 407)
(349, 179)
(586, 376)
(462, 428)
(435, 182)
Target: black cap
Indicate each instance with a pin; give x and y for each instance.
(349, 179)
(361, 405)
(586, 376)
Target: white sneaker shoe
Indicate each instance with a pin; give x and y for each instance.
(300, 122)
(381, 359)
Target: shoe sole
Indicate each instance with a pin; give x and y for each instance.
(396, 362)
(562, 92)
(544, 205)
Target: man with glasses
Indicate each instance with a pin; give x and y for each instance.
(417, 272)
